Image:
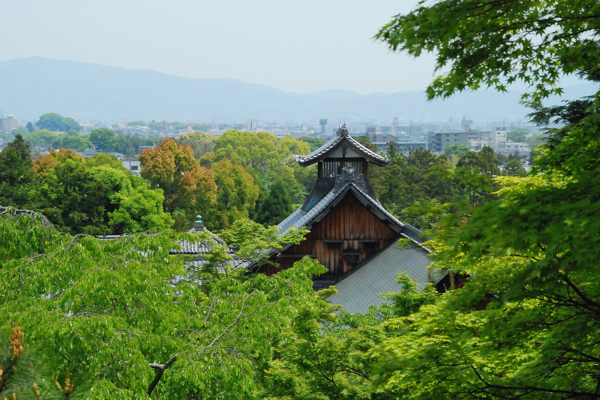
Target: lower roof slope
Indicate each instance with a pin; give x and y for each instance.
(363, 286)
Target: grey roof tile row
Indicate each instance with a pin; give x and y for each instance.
(188, 247)
(200, 247)
(362, 287)
(213, 236)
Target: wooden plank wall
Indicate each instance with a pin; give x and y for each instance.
(349, 227)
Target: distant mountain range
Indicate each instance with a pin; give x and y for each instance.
(30, 87)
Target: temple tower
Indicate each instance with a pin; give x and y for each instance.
(347, 223)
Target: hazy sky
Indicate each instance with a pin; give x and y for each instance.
(300, 46)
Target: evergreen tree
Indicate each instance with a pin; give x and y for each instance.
(16, 174)
(476, 171)
(514, 168)
(276, 206)
(366, 141)
(30, 127)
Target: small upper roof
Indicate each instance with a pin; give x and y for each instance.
(344, 142)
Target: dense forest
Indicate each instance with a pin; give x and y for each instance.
(87, 318)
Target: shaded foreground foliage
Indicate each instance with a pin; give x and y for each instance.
(525, 325)
(115, 314)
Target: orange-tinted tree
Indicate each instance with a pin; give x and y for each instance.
(189, 189)
(44, 163)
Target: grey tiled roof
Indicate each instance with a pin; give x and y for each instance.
(201, 247)
(214, 237)
(341, 136)
(300, 219)
(413, 233)
(187, 247)
(362, 286)
(236, 263)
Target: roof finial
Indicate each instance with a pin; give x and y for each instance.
(342, 131)
(198, 224)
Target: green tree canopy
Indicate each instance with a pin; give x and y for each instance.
(200, 142)
(266, 158)
(521, 327)
(518, 134)
(313, 142)
(136, 208)
(74, 200)
(129, 144)
(410, 186)
(476, 172)
(457, 150)
(43, 138)
(535, 141)
(98, 196)
(104, 139)
(276, 206)
(497, 43)
(514, 168)
(236, 194)
(30, 127)
(55, 122)
(44, 163)
(105, 159)
(366, 141)
(73, 140)
(113, 313)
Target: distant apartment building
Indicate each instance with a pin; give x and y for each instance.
(9, 123)
(438, 141)
(498, 141)
(479, 140)
(404, 142)
(252, 125)
(132, 164)
(383, 137)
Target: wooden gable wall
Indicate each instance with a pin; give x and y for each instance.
(349, 234)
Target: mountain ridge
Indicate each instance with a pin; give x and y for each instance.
(33, 86)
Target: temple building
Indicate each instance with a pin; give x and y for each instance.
(351, 233)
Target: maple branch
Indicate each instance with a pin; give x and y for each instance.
(571, 393)
(159, 370)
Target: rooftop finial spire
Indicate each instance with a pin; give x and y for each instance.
(198, 224)
(342, 131)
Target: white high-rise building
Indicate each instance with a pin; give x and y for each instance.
(499, 142)
(9, 123)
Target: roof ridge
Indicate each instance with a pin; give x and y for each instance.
(307, 217)
(341, 135)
